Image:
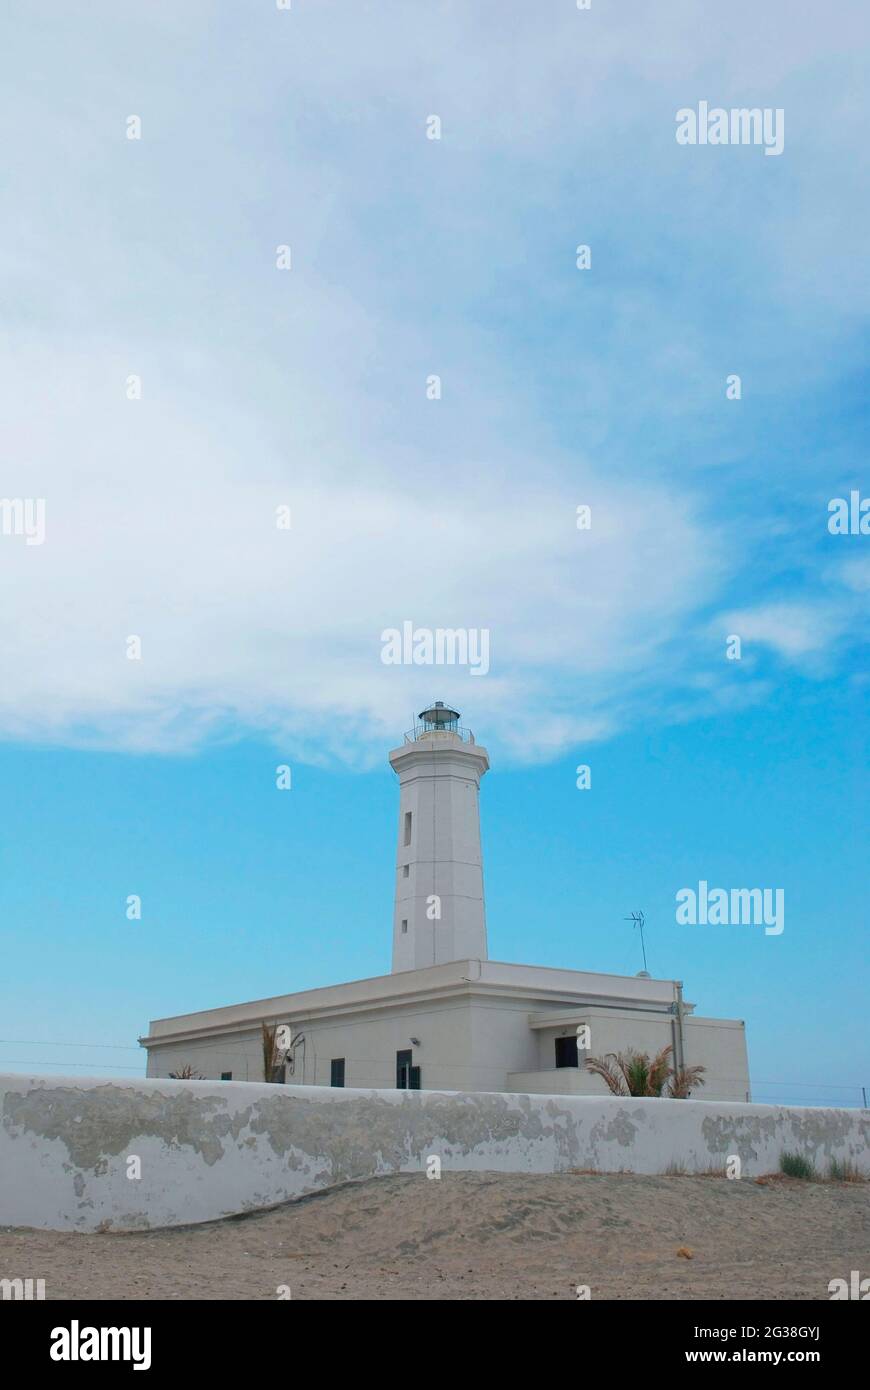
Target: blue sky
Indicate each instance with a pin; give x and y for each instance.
(306, 387)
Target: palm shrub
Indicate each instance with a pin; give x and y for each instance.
(272, 1069)
(634, 1073)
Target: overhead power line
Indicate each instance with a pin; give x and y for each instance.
(28, 1062)
(65, 1042)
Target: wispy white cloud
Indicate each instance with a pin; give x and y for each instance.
(855, 573)
(410, 257)
(162, 524)
(795, 631)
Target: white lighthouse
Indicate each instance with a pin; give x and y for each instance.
(439, 912)
(447, 1017)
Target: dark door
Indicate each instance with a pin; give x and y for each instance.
(404, 1069)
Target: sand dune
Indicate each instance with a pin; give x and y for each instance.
(483, 1236)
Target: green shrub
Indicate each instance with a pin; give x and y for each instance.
(796, 1166)
(843, 1172)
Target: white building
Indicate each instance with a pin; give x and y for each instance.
(447, 1017)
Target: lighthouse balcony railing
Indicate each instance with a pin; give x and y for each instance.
(421, 730)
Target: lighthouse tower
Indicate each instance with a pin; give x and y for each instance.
(439, 914)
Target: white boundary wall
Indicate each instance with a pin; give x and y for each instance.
(210, 1149)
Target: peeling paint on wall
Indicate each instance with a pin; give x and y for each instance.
(212, 1149)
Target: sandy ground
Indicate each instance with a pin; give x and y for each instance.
(482, 1236)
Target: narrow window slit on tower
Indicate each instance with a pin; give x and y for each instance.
(407, 827)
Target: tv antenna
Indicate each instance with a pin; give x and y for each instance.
(639, 921)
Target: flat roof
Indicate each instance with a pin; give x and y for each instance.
(498, 978)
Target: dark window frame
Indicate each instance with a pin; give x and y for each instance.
(404, 1059)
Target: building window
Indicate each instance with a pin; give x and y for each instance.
(407, 827)
(566, 1051)
(406, 871)
(407, 1076)
(226, 1076)
(404, 926)
(336, 1071)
